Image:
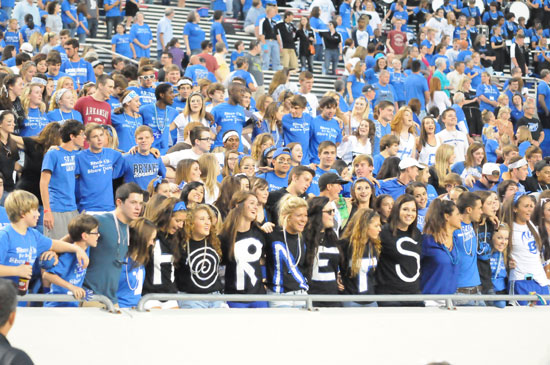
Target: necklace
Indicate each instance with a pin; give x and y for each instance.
(292, 265)
(128, 279)
(454, 260)
(193, 272)
(464, 243)
(482, 245)
(160, 126)
(62, 117)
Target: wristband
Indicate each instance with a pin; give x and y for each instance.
(47, 211)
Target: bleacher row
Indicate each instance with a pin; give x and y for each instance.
(154, 12)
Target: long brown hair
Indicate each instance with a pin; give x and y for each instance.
(356, 233)
(141, 231)
(49, 136)
(470, 154)
(234, 218)
(161, 218)
(435, 219)
(509, 217)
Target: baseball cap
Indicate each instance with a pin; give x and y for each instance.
(281, 151)
(330, 178)
(409, 162)
(367, 88)
(27, 48)
(184, 82)
(491, 168)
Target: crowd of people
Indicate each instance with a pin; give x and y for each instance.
(418, 172)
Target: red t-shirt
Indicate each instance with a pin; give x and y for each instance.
(398, 40)
(93, 111)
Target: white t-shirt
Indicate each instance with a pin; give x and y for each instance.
(407, 146)
(312, 103)
(527, 256)
(457, 139)
(326, 7)
(441, 101)
(189, 154)
(181, 122)
(353, 147)
(427, 153)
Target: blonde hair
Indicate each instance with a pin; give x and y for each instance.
(26, 101)
(260, 139)
(489, 132)
(356, 233)
(524, 134)
(441, 165)
(213, 236)
(53, 100)
(502, 110)
(287, 206)
(397, 122)
(208, 163)
(18, 203)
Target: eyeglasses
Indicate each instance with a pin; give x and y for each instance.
(330, 211)
(209, 139)
(147, 77)
(95, 233)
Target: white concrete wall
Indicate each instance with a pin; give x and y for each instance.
(409, 336)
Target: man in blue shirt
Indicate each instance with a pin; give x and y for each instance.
(384, 90)
(345, 13)
(142, 166)
(327, 156)
(490, 176)
(408, 171)
(296, 126)
(416, 86)
(470, 207)
(57, 180)
(386, 111)
(146, 91)
(217, 33)
(197, 70)
(159, 115)
(278, 178)
(80, 70)
(324, 128)
(113, 10)
(242, 67)
(96, 168)
(165, 33)
(230, 115)
(543, 106)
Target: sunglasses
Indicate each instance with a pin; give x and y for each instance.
(147, 77)
(330, 211)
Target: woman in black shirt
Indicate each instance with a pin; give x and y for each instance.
(9, 153)
(197, 271)
(322, 253)
(398, 270)
(243, 244)
(11, 90)
(360, 247)
(306, 39)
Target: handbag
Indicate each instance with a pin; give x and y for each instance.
(311, 49)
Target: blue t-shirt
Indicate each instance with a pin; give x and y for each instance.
(377, 161)
(466, 242)
(415, 86)
(356, 86)
(114, 11)
(397, 80)
(379, 133)
(122, 45)
(245, 75)
(96, 172)
(197, 72)
(498, 271)
(83, 22)
(490, 92)
(195, 34)
(57, 115)
(69, 270)
(297, 130)
(141, 169)
(314, 187)
(275, 182)
(322, 130)
(228, 117)
(146, 95)
(141, 33)
(217, 28)
(33, 123)
(4, 219)
(130, 284)
(61, 163)
(234, 56)
(125, 127)
(67, 6)
(384, 93)
(82, 72)
(159, 120)
(17, 249)
(114, 102)
(345, 13)
(392, 187)
(12, 39)
(439, 274)
(491, 145)
(26, 32)
(543, 89)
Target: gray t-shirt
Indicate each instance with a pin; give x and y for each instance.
(255, 68)
(106, 259)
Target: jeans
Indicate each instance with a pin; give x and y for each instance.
(191, 304)
(238, 10)
(92, 27)
(81, 38)
(359, 304)
(247, 305)
(469, 303)
(319, 51)
(309, 61)
(331, 56)
(272, 56)
(72, 30)
(289, 303)
(112, 22)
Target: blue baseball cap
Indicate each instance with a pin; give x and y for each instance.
(281, 151)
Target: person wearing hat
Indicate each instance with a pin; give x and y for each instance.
(278, 178)
(490, 176)
(184, 87)
(408, 171)
(517, 172)
(98, 66)
(127, 119)
(540, 181)
(330, 186)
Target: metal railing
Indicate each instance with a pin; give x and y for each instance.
(66, 298)
(309, 299)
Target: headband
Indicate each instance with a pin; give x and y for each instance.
(185, 82)
(179, 206)
(60, 94)
(518, 195)
(129, 97)
(39, 80)
(517, 164)
(229, 135)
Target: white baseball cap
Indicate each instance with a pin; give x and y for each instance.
(409, 162)
(491, 168)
